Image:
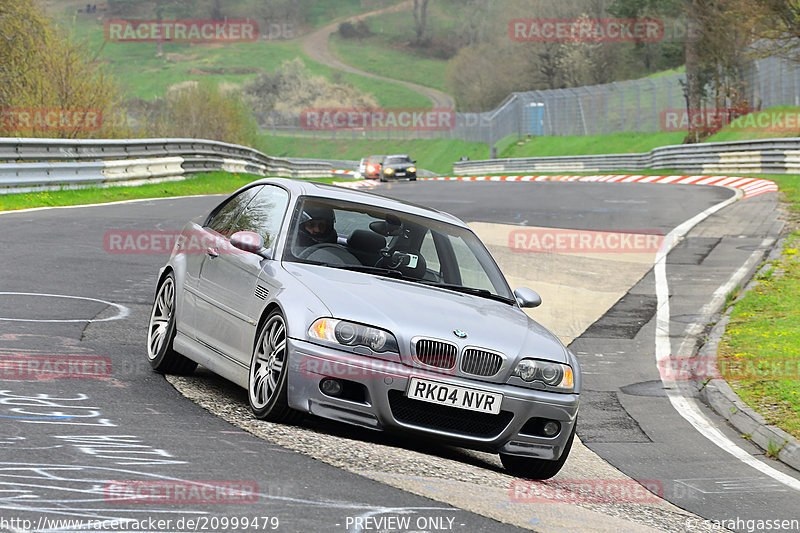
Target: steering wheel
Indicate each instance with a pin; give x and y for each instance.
(315, 247)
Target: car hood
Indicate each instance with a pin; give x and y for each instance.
(398, 166)
(410, 309)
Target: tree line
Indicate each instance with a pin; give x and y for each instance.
(52, 85)
(713, 39)
(44, 68)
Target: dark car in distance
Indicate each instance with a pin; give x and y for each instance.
(397, 167)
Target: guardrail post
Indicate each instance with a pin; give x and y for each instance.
(638, 108)
(654, 106)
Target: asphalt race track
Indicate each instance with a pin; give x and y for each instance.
(626, 415)
(70, 445)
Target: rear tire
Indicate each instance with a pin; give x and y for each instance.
(269, 368)
(161, 332)
(531, 468)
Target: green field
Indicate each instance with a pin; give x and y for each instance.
(228, 64)
(383, 60)
(615, 143)
(749, 126)
(322, 13)
(317, 13)
(389, 50)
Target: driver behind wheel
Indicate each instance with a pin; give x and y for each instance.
(316, 227)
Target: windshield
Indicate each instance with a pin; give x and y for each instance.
(385, 242)
(397, 160)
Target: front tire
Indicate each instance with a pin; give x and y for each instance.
(531, 468)
(161, 332)
(269, 368)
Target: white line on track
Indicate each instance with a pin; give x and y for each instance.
(77, 206)
(684, 405)
(122, 311)
(97, 494)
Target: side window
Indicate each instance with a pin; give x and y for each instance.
(264, 214)
(223, 219)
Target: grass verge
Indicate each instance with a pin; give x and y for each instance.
(759, 354)
(770, 123)
(229, 64)
(373, 55)
(615, 143)
(742, 129)
(208, 183)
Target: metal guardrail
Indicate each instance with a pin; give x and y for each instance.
(343, 164)
(763, 156)
(28, 164)
(346, 164)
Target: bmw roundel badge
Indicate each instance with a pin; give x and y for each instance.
(460, 333)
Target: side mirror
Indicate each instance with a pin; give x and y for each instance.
(249, 241)
(527, 297)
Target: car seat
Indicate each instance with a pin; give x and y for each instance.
(366, 246)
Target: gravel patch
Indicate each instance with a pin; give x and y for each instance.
(467, 479)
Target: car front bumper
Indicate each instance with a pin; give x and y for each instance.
(404, 176)
(384, 406)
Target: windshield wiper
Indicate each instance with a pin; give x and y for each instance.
(388, 272)
(396, 274)
(483, 293)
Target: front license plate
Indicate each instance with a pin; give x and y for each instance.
(401, 173)
(454, 396)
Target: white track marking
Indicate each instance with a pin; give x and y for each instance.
(78, 206)
(750, 186)
(122, 311)
(686, 406)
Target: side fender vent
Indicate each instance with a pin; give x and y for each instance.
(261, 292)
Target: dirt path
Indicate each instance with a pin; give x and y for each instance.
(316, 46)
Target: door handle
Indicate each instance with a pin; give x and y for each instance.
(212, 252)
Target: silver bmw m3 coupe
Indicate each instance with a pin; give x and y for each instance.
(369, 311)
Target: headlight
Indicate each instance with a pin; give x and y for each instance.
(552, 374)
(353, 334)
(389, 171)
(412, 169)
